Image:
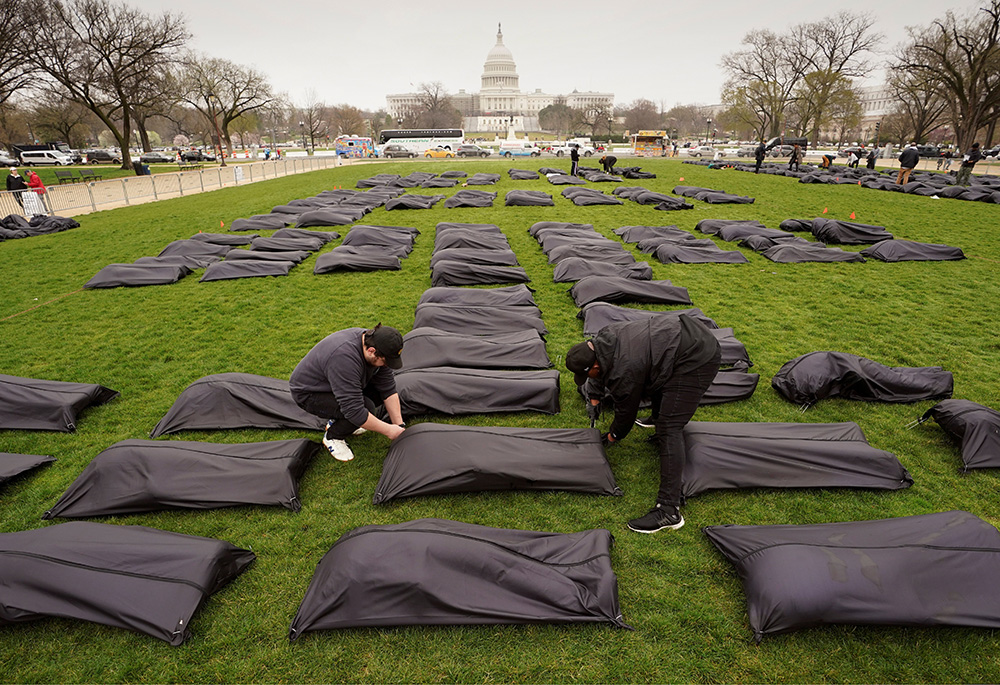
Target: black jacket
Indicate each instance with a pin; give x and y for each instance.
(760, 152)
(908, 158)
(637, 358)
(974, 155)
(16, 183)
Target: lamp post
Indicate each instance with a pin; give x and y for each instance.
(611, 123)
(708, 129)
(302, 133)
(210, 98)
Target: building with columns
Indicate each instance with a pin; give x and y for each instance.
(500, 104)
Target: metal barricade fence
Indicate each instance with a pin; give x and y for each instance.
(81, 198)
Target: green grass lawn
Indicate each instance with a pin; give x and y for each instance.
(684, 601)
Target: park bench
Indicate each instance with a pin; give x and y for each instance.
(90, 175)
(185, 166)
(65, 176)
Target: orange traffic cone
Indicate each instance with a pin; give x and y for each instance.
(852, 215)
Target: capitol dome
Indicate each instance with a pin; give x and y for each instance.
(499, 71)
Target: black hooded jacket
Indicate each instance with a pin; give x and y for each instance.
(637, 358)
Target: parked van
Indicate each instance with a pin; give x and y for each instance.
(45, 157)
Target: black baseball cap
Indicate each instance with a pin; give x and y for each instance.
(388, 344)
(579, 359)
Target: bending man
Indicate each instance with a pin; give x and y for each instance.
(671, 360)
(344, 378)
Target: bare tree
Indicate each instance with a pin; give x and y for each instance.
(313, 119)
(833, 50)
(101, 54)
(763, 78)
(223, 91)
(435, 109)
(58, 119)
(642, 115)
(918, 101)
(959, 58)
(346, 120)
(16, 72)
(556, 117)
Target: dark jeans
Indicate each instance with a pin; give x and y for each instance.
(325, 406)
(673, 407)
(756, 168)
(574, 166)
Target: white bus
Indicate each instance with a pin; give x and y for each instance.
(420, 139)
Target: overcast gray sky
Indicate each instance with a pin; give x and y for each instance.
(357, 52)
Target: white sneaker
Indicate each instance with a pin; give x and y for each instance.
(360, 431)
(338, 448)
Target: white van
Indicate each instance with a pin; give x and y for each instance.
(45, 157)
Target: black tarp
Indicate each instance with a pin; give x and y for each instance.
(453, 174)
(483, 179)
(34, 404)
(584, 197)
(538, 226)
(528, 198)
(790, 253)
(470, 238)
(194, 247)
(398, 238)
(577, 268)
(190, 261)
(522, 174)
(261, 222)
(142, 579)
(357, 258)
(16, 226)
(462, 273)
(759, 243)
(910, 251)
(927, 570)
(633, 234)
(672, 204)
(472, 255)
(432, 347)
(470, 198)
(454, 392)
(815, 376)
(13, 465)
(550, 240)
(975, 426)
(413, 202)
(804, 225)
(439, 183)
(679, 253)
(644, 196)
(460, 574)
(650, 245)
(245, 268)
(730, 385)
(294, 256)
(236, 400)
(436, 459)
(325, 236)
(739, 231)
(462, 226)
(597, 315)
(134, 275)
(510, 295)
(564, 179)
(785, 455)
(330, 216)
(713, 226)
(287, 244)
(135, 476)
(618, 289)
(848, 232)
(478, 319)
(224, 238)
(611, 253)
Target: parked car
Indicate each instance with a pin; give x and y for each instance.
(98, 156)
(992, 153)
(705, 151)
(156, 158)
(438, 152)
(746, 151)
(197, 156)
(472, 151)
(396, 151)
(845, 152)
(6, 159)
(45, 157)
(928, 151)
(566, 148)
(519, 151)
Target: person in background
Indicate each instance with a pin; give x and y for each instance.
(908, 159)
(574, 157)
(16, 184)
(343, 377)
(758, 155)
(796, 158)
(872, 156)
(35, 184)
(670, 360)
(608, 163)
(972, 155)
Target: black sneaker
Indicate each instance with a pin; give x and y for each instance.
(660, 517)
(645, 422)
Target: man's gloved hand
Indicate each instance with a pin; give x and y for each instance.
(593, 412)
